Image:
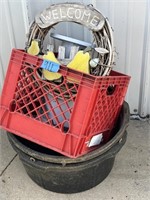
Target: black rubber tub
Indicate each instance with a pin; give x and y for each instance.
(58, 173)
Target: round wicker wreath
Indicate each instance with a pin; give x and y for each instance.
(85, 15)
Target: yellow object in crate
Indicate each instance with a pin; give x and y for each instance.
(34, 48)
(80, 62)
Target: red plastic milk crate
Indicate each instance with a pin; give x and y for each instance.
(69, 117)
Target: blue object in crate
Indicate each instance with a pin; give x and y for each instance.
(50, 66)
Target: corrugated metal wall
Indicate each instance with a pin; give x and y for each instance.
(12, 31)
(131, 23)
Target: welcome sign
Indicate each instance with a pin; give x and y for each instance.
(79, 13)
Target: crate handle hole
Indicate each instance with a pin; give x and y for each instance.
(12, 106)
(111, 89)
(65, 126)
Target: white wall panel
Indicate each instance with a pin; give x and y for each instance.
(7, 41)
(12, 31)
(129, 20)
(131, 23)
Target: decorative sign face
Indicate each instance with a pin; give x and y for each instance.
(79, 13)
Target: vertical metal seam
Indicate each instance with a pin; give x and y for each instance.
(1, 64)
(129, 38)
(145, 76)
(25, 13)
(1, 74)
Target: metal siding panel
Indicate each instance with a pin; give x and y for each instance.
(7, 40)
(12, 34)
(131, 32)
(24, 7)
(144, 103)
(18, 24)
(1, 76)
(135, 66)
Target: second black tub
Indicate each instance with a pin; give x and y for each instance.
(58, 173)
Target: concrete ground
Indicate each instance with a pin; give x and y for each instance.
(128, 180)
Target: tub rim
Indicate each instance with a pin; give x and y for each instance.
(93, 154)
